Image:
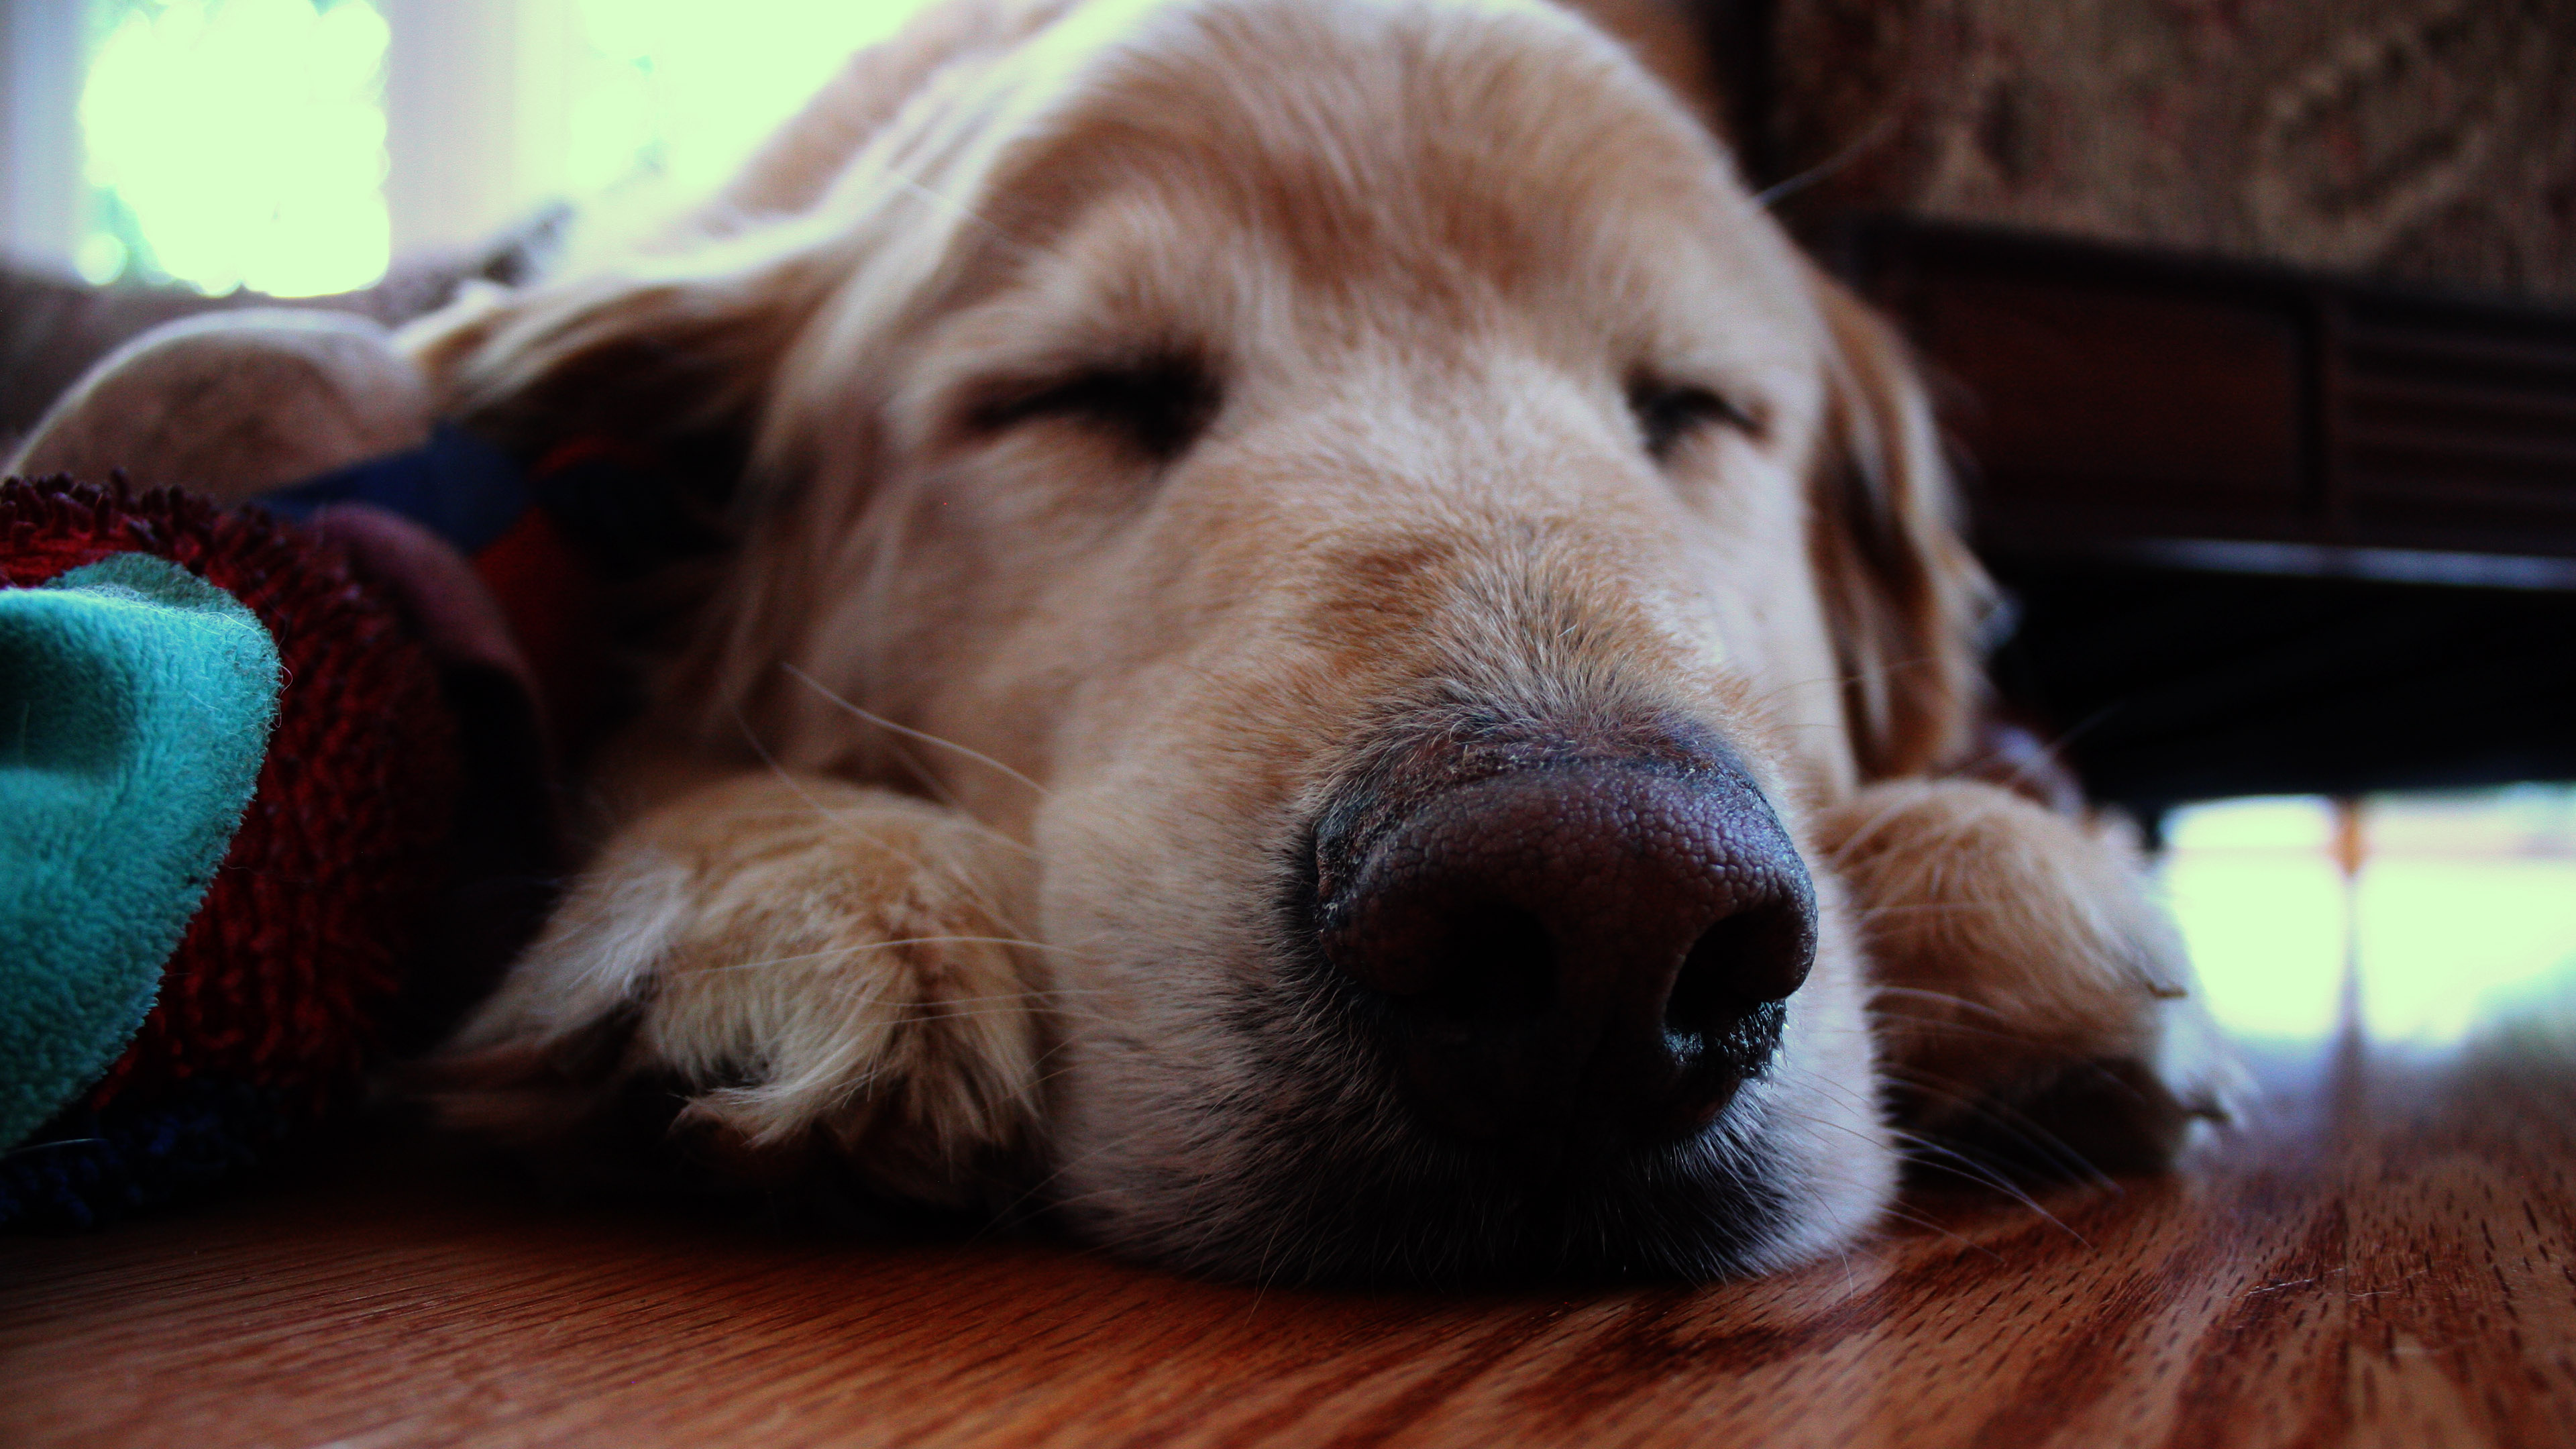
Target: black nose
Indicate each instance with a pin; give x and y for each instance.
(1578, 957)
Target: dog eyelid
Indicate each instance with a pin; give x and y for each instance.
(1668, 412)
(1159, 404)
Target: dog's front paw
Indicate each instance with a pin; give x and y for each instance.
(795, 967)
(2033, 1001)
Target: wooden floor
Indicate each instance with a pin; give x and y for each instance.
(2388, 1256)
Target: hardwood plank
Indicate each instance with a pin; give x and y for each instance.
(2386, 1255)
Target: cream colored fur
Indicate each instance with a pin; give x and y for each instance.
(844, 945)
(2011, 946)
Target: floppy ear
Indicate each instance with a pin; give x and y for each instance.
(1904, 597)
(674, 363)
(676, 369)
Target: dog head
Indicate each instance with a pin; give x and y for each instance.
(1359, 491)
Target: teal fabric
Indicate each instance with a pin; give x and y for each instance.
(135, 705)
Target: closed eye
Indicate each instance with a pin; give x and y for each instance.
(1158, 405)
(1669, 413)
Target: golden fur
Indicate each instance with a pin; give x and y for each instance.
(950, 849)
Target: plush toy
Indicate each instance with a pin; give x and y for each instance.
(229, 785)
(186, 980)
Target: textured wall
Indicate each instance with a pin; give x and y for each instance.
(2423, 140)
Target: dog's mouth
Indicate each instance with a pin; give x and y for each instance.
(1551, 963)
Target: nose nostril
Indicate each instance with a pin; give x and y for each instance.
(1735, 976)
(1701, 1000)
(1761, 953)
(1497, 965)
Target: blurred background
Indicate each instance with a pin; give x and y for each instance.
(296, 147)
(2251, 317)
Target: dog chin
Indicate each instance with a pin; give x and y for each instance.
(1300, 1159)
(1345, 1192)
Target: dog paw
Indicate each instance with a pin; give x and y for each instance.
(2033, 1003)
(787, 969)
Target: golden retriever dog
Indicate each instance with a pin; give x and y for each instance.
(1337, 664)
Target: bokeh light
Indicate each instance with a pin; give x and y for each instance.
(241, 143)
(237, 143)
(2460, 906)
(679, 92)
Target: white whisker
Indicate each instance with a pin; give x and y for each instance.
(881, 722)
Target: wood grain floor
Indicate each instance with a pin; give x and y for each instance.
(2388, 1256)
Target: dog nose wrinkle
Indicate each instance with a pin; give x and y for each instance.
(1595, 951)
